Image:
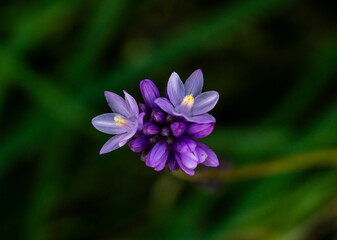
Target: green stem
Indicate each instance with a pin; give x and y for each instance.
(284, 165)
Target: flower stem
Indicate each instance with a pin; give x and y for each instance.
(326, 158)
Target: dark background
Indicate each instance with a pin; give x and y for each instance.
(273, 63)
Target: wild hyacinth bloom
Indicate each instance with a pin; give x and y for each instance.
(163, 130)
(187, 101)
(167, 140)
(123, 121)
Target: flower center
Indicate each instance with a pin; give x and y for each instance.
(188, 101)
(120, 121)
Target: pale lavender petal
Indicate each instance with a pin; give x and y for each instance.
(175, 89)
(183, 110)
(204, 118)
(189, 160)
(158, 156)
(114, 143)
(117, 104)
(194, 83)
(149, 92)
(164, 104)
(212, 159)
(129, 135)
(205, 102)
(201, 153)
(185, 145)
(106, 123)
(189, 171)
(131, 104)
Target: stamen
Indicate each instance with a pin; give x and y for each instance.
(120, 121)
(188, 101)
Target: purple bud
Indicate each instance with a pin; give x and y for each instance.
(158, 156)
(139, 144)
(172, 164)
(197, 130)
(169, 118)
(178, 128)
(158, 116)
(149, 92)
(165, 131)
(150, 129)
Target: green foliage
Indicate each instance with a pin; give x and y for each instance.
(274, 65)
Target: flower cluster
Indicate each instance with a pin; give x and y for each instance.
(163, 129)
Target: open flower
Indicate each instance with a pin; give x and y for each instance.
(187, 101)
(123, 121)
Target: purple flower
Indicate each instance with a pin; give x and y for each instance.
(187, 101)
(165, 130)
(123, 121)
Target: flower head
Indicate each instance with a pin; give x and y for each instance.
(163, 130)
(187, 101)
(123, 122)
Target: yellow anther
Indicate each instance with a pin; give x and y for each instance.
(188, 100)
(120, 121)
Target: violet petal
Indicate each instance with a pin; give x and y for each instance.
(158, 156)
(158, 116)
(177, 128)
(172, 164)
(114, 143)
(212, 159)
(175, 89)
(149, 92)
(140, 121)
(150, 129)
(189, 159)
(131, 104)
(185, 145)
(197, 130)
(205, 102)
(117, 104)
(165, 104)
(189, 171)
(201, 154)
(203, 118)
(106, 124)
(194, 83)
(139, 144)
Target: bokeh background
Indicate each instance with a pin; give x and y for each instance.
(273, 63)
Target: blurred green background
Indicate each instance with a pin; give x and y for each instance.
(273, 63)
